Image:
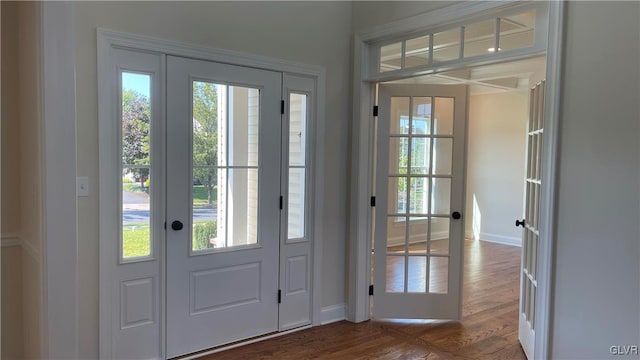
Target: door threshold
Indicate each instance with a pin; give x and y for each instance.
(240, 343)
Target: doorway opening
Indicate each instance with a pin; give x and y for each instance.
(501, 139)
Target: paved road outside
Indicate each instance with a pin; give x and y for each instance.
(135, 209)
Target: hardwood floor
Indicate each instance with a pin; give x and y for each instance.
(489, 329)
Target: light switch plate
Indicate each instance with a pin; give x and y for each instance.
(82, 186)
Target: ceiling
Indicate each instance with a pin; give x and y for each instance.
(486, 79)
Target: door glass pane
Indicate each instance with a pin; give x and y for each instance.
(296, 206)
(205, 201)
(242, 207)
(442, 154)
(225, 165)
(420, 148)
(396, 234)
(242, 126)
(443, 123)
(136, 165)
(296, 210)
(440, 196)
(419, 196)
(398, 155)
(297, 129)
(517, 31)
(397, 199)
(446, 45)
(391, 57)
(479, 38)
(421, 120)
(399, 115)
(416, 52)
(439, 236)
(418, 230)
(439, 275)
(417, 276)
(395, 274)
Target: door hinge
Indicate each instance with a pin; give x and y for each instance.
(281, 202)
(370, 290)
(165, 225)
(373, 201)
(375, 110)
(282, 107)
(279, 296)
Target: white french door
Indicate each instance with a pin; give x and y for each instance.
(223, 214)
(419, 233)
(530, 224)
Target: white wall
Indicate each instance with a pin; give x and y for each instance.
(495, 165)
(312, 33)
(596, 302)
(372, 13)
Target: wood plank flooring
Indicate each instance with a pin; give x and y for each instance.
(489, 329)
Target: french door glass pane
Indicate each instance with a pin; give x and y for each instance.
(439, 275)
(399, 115)
(421, 118)
(419, 196)
(418, 231)
(439, 236)
(225, 165)
(420, 148)
(417, 274)
(440, 196)
(442, 155)
(398, 155)
(443, 124)
(136, 165)
(397, 202)
(396, 234)
(395, 274)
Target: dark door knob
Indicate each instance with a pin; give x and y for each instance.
(520, 223)
(176, 225)
(456, 215)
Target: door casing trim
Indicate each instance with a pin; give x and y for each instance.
(107, 39)
(363, 97)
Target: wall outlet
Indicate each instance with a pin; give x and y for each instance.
(82, 186)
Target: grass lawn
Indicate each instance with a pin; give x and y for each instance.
(136, 242)
(200, 195)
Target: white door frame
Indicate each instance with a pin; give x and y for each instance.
(362, 155)
(108, 39)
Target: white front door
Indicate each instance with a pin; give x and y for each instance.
(530, 233)
(419, 233)
(223, 196)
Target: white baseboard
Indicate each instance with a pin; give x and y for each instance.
(10, 239)
(500, 239)
(332, 313)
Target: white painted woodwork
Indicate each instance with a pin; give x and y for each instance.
(421, 305)
(531, 232)
(218, 297)
(296, 257)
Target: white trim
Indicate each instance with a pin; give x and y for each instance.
(244, 343)
(10, 239)
(108, 39)
(501, 239)
(548, 198)
(59, 233)
(331, 314)
(361, 154)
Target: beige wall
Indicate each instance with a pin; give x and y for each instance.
(596, 301)
(12, 345)
(309, 32)
(21, 177)
(495, 165)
